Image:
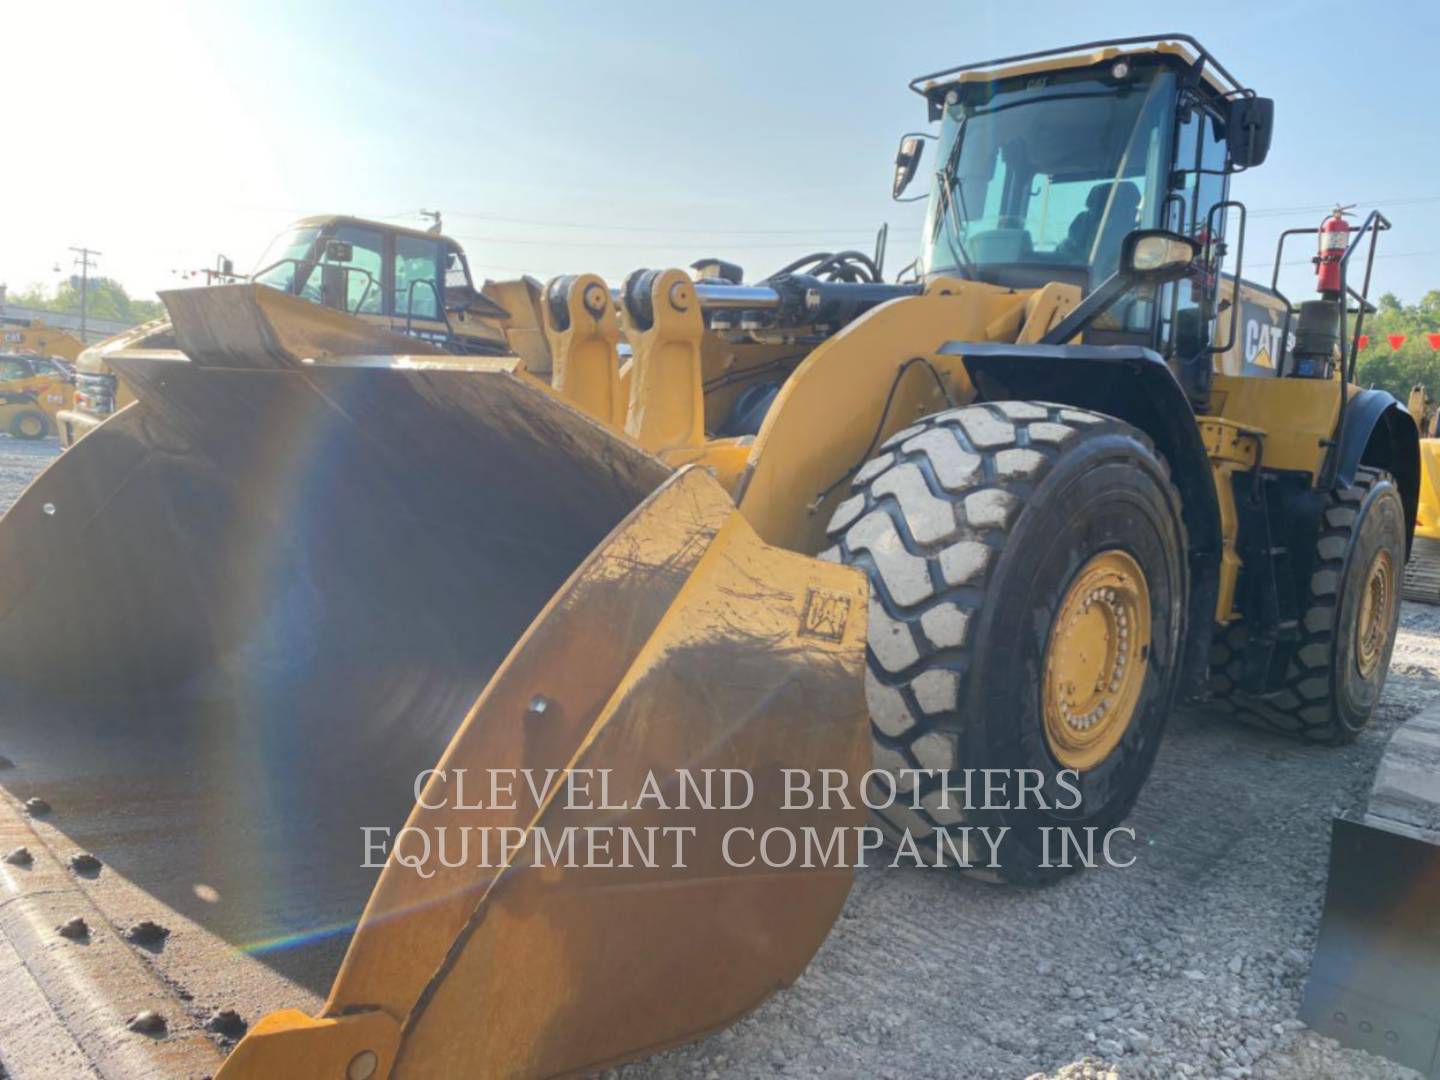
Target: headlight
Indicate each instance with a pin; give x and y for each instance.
(95, 394)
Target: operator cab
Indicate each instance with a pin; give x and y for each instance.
(1045, 163)
(413, 282)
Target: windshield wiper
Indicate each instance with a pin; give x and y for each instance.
(948, 187)
(952, 209)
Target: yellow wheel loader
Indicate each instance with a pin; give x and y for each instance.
(949, 549)
(404, 280)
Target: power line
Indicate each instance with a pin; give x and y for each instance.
(1284, 211)
(1378, 255)
(506, 220)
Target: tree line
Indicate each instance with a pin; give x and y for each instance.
(105, 299)
(1415, 362)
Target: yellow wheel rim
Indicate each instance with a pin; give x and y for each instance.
(1095, 660)
(1377, 610)
(31, 427)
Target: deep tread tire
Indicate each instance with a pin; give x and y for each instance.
(971, 524)
(34, 420)
(1324, 699)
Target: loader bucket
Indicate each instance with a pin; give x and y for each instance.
(241, 619)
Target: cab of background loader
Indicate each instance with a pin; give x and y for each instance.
(412, 282)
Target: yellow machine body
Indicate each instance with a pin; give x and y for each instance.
(301, 425)
(322, 569)
(1422, 569)
(32, 391)
(39, 338)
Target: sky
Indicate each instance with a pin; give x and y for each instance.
(560, 138)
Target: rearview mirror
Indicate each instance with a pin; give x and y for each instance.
(907, 161)
(339, 251)
(1155, 256)
(1248, 129)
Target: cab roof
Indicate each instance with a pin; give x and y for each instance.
(1177, 48)
(319, 221)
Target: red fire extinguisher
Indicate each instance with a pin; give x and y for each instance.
(1334, 239)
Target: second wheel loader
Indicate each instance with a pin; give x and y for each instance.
(384, 275)
(1002, 517)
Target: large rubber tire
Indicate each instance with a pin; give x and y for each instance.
(1325, 697)
(30, 424)
(971, 526)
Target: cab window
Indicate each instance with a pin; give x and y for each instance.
(277, 267)
(458, 283)
(13, 367)
(353, 284)
(417, 277)
(1056, 172)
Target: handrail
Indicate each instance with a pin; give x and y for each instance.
(1214, 240)
(320, 263)
(439, 305)
(1375, 223)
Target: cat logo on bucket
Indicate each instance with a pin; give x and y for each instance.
(825, 616)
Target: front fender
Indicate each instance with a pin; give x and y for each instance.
(1378, 431)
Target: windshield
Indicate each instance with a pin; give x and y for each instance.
(1053, 173)
(273, 269)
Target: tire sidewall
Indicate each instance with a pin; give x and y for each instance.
(1109, 491)
(17, 425)
(1380, 524)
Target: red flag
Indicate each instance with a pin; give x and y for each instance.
(1364, 341)
(1434, 340)
(1396, 340)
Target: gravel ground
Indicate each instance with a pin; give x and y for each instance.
(20, 461)
(1188, 963)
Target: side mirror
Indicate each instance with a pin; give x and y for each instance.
(339, 251)
(1248, 129)
(907, 161)
(1155, 256)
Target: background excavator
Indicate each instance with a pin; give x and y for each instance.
(1002, 516)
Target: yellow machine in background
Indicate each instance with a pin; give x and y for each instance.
(33, 389)
(1001, 517)
(36, 337)
(412, 282)
(1422, 572)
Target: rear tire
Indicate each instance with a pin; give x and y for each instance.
(30, 424)
(976, 527)
(1352, 610)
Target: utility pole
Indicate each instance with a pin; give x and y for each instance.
(83, 259)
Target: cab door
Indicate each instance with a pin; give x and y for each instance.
(419, 286)
(1187, 328)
